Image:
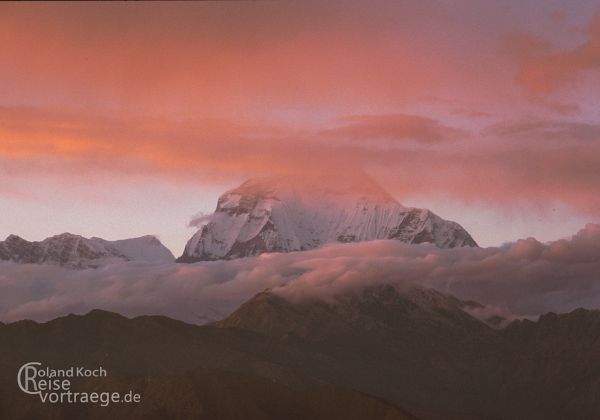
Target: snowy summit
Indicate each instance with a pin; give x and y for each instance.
(288, 214)
(75, 251)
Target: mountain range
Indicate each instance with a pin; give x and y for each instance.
(381, 353)
(289, 214)
(75, 251)
(262, 215)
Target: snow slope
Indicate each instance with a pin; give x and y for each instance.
(283, 215)
(78, 252)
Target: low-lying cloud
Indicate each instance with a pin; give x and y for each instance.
(525, 278)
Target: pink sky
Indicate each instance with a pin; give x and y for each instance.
(118, 120)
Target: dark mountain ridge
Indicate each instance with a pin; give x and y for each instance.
(375, 351)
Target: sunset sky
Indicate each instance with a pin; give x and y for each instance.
(125, 119)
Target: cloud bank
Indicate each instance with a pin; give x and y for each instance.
(525, 278)
(530, 160)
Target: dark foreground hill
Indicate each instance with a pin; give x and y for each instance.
(379, 354)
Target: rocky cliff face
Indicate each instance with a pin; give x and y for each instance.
(78, 252)
(283, 215)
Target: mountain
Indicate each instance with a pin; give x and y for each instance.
(416, 347)
(78, 252)
(372, 310)
(422, 349)
(182, 371)
(287, 214)
(379, 353)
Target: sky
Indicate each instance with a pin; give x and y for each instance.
(124, 119)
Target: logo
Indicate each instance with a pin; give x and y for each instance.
(26, 377)
(54, 386)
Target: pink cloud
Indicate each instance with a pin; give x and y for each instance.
(543, 71)
(396, 127)
(507, 164)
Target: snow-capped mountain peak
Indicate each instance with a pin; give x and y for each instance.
(75, 251)
(291, 214)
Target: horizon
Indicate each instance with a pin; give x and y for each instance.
(176, 248)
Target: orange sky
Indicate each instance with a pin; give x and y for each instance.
(481, 109)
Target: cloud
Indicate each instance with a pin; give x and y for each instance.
(396, 127)
(541, 129)
(201, 219)
(267, 58)
(525, 278)
(472, 113)
(46, 141)
(543, 71)
(525, 44)
(536, 161)
(203, 93)
(209, 58)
